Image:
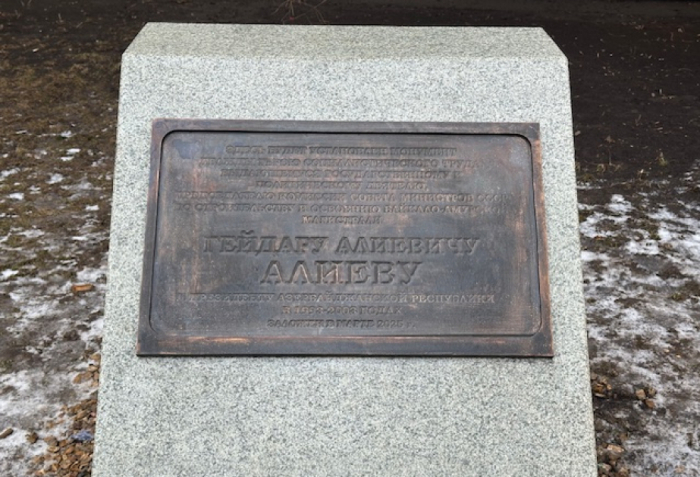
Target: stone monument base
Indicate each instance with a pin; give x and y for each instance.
(344, 416)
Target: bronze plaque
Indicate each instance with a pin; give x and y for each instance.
(318, 238)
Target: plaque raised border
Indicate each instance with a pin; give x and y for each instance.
(318, 335)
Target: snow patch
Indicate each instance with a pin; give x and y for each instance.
(7, 273)
(645, 247)
(619, 206)
(70, 153)
(642, 320)
(55, 179)
(30, 234)
(5, 174)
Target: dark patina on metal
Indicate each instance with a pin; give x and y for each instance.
(328, 238)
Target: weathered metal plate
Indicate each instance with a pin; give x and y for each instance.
(309, 238)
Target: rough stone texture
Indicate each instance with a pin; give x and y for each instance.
(344, 416)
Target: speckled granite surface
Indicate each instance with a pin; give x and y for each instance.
(343, 416)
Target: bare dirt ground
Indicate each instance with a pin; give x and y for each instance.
(636, 102)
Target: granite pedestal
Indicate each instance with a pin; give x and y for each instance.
(343, 416)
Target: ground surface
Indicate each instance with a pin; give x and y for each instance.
(636, 100)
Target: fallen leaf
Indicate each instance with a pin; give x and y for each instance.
(81, 287)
